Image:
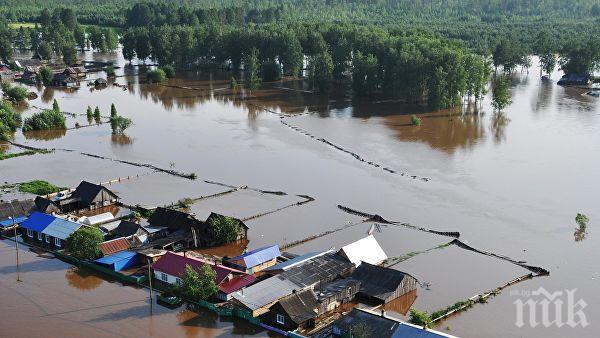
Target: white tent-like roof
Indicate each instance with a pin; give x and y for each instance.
(97, 219)
(364, 250)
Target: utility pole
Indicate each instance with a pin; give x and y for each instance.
(150, 281)
(16, 248)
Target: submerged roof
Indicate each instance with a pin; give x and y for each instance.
(300, 306)
(37, 221)
(256, 256)
(174, 265)
(364, 250)
(377, 281)
(296, 261)
(61, 228)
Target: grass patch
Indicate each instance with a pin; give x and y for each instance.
(21, 24)
(23, 153)
(39, 187)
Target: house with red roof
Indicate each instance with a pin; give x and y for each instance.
(170, 268)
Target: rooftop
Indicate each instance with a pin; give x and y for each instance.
(300, 306)
(174, 265)
(296, 261)
(114, 246)
(256, 256)
(377, 281)
(364, 250)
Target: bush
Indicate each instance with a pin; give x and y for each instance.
(110, 71)
(39, 187)
(169, 71)
(415, 121)
(45, 120)
(419, 318)
(271, 71)
(582, 220)
(45, 75)
(14, 93)
(233, 83)
(119, 124)
(9, 120)
(157, 75)
(198, 285)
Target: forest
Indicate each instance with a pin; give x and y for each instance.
(433, 51)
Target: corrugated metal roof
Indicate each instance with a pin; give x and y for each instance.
(256, 256)
(300, 306)
(117, 257)
(296, 261)
(174, 265)
(364, 250)
(409, 331)
(9, 222)
(114, 246)
(236, 283)
(60, 228)
(377, 281)
(37, 222)
(265, 292)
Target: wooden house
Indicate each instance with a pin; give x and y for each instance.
(381, 285)
(87, 196)
(48, 231)
(297, 310)
(255, 260)
(76, 72)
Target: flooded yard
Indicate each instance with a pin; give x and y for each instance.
(510, 184)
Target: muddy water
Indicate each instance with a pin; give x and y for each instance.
(510, 184)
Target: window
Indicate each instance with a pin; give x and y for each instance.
(47, 239)
(39, 236)
(178, 281)
(280, 319)
(164, 276)
(57, 242)
(30, 233)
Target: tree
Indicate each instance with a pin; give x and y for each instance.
(142, 44)
(111, 40)
(45, 75)
(84, 244)
(198, 285)
(55, 106)
(45, 120)
(6, 38)
(119, 124)
(365, 71)
(45, 50)
(320, 71)
(89, 114)
(128, 42)
(169, 71)
(69, 55)
(9, 120)
(113, 110)
(501, 95)
(548, 62)
(271, 71)
(224, 229)
(79, 36)
(97, 115)
(252, 66)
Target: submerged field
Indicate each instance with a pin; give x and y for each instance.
(509, 184)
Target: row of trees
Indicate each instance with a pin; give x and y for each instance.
(408, 65)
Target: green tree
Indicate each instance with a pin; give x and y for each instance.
(225, 229)
(85, 243)
(14, 93)
(119, 124)
(252, 66)
(501, 95)
(55, 106)
(9, 120)
(156, 75)
(45, 120)
(320, 71)
(89, 114)
(113, 110)
(79, 36)
(198, 285)
(128, 42)
(45, 50)
(97, 115)
(45, 75)
(69, 55)
(365, 73)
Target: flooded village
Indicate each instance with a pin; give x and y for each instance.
(312, 215)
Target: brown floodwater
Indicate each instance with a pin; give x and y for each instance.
(510, 184)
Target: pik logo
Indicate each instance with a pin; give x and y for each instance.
(550, 309)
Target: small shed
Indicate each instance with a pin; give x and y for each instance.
(119, 261)
(337, 293)
(365, 250)
(100, 82)
(255, 260)
(381, 285)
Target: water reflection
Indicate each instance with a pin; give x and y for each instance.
(498, 127)
(444, 130)
(44, 135)
(121, 139)
(82, 279)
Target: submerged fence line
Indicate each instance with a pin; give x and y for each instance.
(307, 199)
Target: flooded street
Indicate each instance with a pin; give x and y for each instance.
(510, 184)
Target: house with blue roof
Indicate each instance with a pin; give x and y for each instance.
(47, 230)
(119, 261)
(255, 260)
